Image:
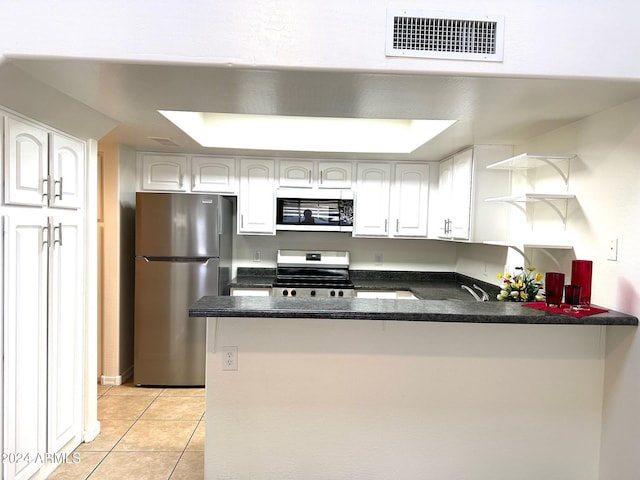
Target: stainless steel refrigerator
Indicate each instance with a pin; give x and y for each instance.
(183, 252)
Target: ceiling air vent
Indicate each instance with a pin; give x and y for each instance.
(164, 141)
(451, 36)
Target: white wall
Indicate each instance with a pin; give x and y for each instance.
(542, 38)
(606, 180)
(335, 399)
(404, 254)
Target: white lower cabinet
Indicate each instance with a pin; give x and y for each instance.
(43, 338)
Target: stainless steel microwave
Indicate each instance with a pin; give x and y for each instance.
(314, 214)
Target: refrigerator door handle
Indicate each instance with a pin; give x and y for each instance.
(149, 259)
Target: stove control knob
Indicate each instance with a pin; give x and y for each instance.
(332, 293)
(341, 293)
(285, 292)
(313, 293)
(293, 293)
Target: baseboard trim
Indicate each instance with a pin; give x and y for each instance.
(117, 379)
(91, 432)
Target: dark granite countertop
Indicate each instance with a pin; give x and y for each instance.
(441, 299)
(399, 310)
(424, 285)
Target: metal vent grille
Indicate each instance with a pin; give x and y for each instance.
(444, 36)
(165, 141)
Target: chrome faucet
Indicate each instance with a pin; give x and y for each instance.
(475, 295)
(485, 295)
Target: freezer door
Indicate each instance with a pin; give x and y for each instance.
(177, 225)
(169, 346)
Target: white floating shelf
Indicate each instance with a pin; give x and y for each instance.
(544, 248)
(527, 161)
(531, 197)
(522, 246)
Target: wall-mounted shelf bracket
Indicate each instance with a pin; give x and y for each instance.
(547, 250)
(527, 161)
(520, 201)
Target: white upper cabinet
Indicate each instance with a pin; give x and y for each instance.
(410, 200)
(213, 174)
(315, 174)
(66, 169)
(42, 168)
(296, 173)
(371, 206)
(164, 172)
(464, 183)
(454, 195)
(256, 199)
(26, 163)
(334, 174)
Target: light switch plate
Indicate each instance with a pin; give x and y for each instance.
(613, 249)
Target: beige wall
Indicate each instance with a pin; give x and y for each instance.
(116, 295)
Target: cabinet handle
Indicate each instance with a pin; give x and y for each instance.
(310, 173)
(59, 240)
(241, 221)
(386, 221)
(45, 188)
(320, 177)
(397, 225)
(57, 195)
(45, 235)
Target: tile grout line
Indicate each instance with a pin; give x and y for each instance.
(123, 435)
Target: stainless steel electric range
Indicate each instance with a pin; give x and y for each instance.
(314, 273)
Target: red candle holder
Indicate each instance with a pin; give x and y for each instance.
(581, 271)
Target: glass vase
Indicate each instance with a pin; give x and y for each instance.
(581, 275)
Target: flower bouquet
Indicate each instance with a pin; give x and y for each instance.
(521, 286)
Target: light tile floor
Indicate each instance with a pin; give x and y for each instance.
(145, 433)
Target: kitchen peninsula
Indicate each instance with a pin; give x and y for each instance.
(366, 388)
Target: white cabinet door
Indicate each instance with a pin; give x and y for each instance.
(296, 173)
(213, 174)
(410, 200)
(26, 163)
(371, 206)
(460, 203)
(454, 196)
(334, 174)
(66, 297)
(164, 172)
(444, 197)
(66, 170)
(256, 199)
(25, 343)
(320, 174)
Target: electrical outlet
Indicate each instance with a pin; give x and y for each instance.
(613, 249)
(378, 258)
(229, 358)
(257, 256)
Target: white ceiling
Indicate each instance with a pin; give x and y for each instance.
(488, 109)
